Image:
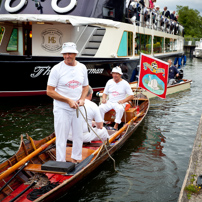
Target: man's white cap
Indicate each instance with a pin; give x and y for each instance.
(117, 70)
(69, 47)
(157, 6)
(133, 4)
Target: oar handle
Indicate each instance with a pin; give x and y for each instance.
(27, 158)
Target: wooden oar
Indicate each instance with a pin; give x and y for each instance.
(112, 138)
(7, 183)
(27, 158)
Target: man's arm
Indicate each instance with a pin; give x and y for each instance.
(176, 72)
(104, 98)
(129, 98)
(53, 94)
(99, 125)
(81, 101)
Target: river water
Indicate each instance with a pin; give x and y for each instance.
(153, 162)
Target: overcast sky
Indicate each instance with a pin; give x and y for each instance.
(171, 4)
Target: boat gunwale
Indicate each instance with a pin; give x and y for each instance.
(99, 160)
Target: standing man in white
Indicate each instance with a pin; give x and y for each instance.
(117, 89)
(68, 86)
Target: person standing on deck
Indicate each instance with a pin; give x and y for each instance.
(166, 12)
(117, 89)
(68, 86)
(172, 16)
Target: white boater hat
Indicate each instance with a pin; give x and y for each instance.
(117, 70)
(69, 47)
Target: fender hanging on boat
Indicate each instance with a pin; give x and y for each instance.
(176, 61)
(185, 59)
(179, 62)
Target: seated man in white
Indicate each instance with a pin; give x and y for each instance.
(94, 120)
(117, 89)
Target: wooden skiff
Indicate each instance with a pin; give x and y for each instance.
(181, 86)
(26, 164)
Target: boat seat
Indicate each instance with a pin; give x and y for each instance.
(37, 167)
(85, 153)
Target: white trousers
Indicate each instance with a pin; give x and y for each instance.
(63, 121)
(88, 137)
(119, 109)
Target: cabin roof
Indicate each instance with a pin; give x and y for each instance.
(74, 20)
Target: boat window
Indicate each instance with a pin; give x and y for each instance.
(13, 42)
(143, 44)
(175, 45)
(158, 44)
(168, 45)
(2, 31)
(126, 45)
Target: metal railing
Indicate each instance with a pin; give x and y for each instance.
(151, 19)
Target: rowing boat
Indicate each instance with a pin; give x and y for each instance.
(184, 84)
(25, 173)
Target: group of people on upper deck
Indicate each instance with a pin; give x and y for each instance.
(149, 5)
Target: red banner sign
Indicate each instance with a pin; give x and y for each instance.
(153, 75)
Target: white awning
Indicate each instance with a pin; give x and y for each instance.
(74, 20)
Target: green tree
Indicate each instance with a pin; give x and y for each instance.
(191, 20)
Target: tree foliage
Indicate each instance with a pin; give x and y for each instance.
(191, 20)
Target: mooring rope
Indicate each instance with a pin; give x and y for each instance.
(114, 162)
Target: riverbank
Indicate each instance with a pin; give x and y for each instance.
(189, 191)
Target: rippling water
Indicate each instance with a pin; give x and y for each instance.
(153, 162)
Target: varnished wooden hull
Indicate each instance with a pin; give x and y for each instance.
(69, 181)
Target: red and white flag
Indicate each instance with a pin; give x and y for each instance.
(153, 75)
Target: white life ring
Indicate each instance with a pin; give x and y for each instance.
(65, 9)
(16, 8)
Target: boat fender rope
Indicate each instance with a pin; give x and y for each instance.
(66, 9)
(99, 138)
(16, 8)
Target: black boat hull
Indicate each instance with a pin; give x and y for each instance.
(27, 76)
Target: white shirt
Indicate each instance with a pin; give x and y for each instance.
(93, 113)
(146, 3)
(117, 91)
(68, 82)
(127, 3)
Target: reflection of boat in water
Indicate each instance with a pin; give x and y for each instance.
(184, 84)
(33, 156)
(198, 50)
(32, 33)
(153, 84)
